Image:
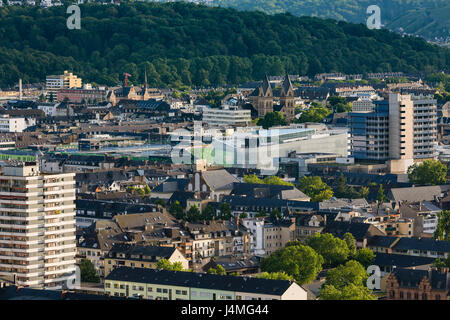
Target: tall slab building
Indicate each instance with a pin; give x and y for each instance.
(37, 226)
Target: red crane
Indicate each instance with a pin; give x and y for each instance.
(126, 78)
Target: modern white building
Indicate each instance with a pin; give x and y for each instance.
(8, 124)
(37, 226)
(256, 228)
(227, 116)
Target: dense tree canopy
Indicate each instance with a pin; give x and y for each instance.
(88, 272)
(298, 261)
(315, 113)
(346, 282)
(315, 188)
(184, 44)
(271, 119)
(274, 180)
(333, 250)
(428, 172)
(442, 231)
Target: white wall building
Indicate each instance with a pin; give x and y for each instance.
(256, 228)
(8, 124)
(227, 116)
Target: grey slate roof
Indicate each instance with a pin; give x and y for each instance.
(200, 280)
(219, 179)
(414, 194)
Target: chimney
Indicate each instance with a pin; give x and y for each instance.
(20, 89)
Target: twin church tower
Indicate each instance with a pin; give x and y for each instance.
(262, 99)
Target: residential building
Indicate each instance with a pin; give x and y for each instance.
(277, 233)
(362, 232)
(411, 284)
(141, 256)
(79, 95)
(154, 284)
(37, 226)
(418, 247)
(12, 124)
(425, 217)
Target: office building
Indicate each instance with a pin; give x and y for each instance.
(400, 130)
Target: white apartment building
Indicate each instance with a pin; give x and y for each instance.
(256, 228)
(8, 124)
(37, 226)
(227, 116)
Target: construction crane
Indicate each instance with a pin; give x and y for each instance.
(126, 75)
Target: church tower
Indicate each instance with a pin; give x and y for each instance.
(262, 98)
(287, 99)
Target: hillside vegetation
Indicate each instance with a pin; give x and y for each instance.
(184, 44)
(421, 17)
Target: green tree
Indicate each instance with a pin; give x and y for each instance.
(300, 262)
(147, 190)
(333, 250)
(193, 214)
(364, 192)
(88, 272)
(315, 188)
(225, 211)
(365, 256)
(165, 264)
(176, 210)
(252, 178)
(350, 292)
(315, 113)
(438, 263)
(350, 273)
(275, 214)
(442, 231)
(341, 187)
(351, 243)
(339, 104)
(272, 119)
(430, 171)
(274, 180)
(381, 197)
(274, 276)
(208, 213)
(160, 202)
(217, 270)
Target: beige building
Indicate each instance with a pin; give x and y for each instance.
(277, 234)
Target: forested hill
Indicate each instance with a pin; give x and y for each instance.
(422, 17)
(185, 44)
